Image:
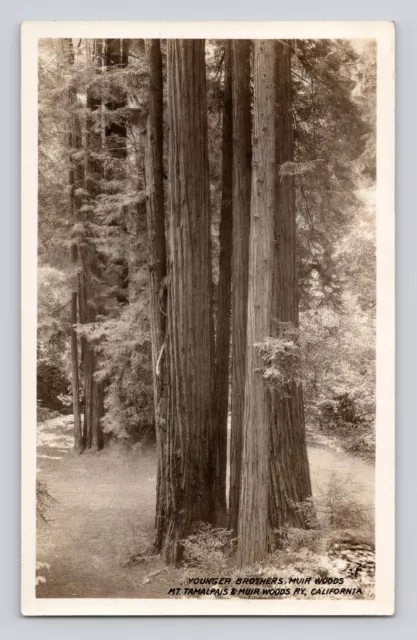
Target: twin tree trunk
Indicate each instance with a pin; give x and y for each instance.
(189, 339)
(83, 257)
(273, 428)
(242, 176)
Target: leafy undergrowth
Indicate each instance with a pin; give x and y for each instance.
(338, 550)
(97, 539)
(347, 564)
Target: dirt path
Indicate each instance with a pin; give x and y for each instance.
(104, 514)
(360, 474)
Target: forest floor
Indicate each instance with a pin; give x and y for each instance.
(104, 511)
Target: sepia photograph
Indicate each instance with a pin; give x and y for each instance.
(209, 216)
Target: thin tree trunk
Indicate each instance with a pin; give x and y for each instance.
(289, 466)
(189, 343)
(242, 176)
(78, 437)
(90, 276)
(157, 266)
(73, 144)
(224, 301)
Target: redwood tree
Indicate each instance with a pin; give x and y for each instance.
(289, 467)
(275, 464)
(157, 263)
(241, 197)
(189, 340)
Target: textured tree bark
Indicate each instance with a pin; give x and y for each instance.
(221, 396)
(275, 463)
(289, 466)
(157, 267)
(189, 343)
(242, 176)
(74, 143)
(253, 508)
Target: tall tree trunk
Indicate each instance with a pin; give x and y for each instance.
(275, 460)
(242, 176)
(90, 276)
(221, 396)
(253, 507)
(157, 266)
(189, 342)
(74, 143)
(289, 467)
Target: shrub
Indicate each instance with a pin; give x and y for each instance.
(339, 507)
(282, 357)
(296, 539)
(207, 549)
(336, 507)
